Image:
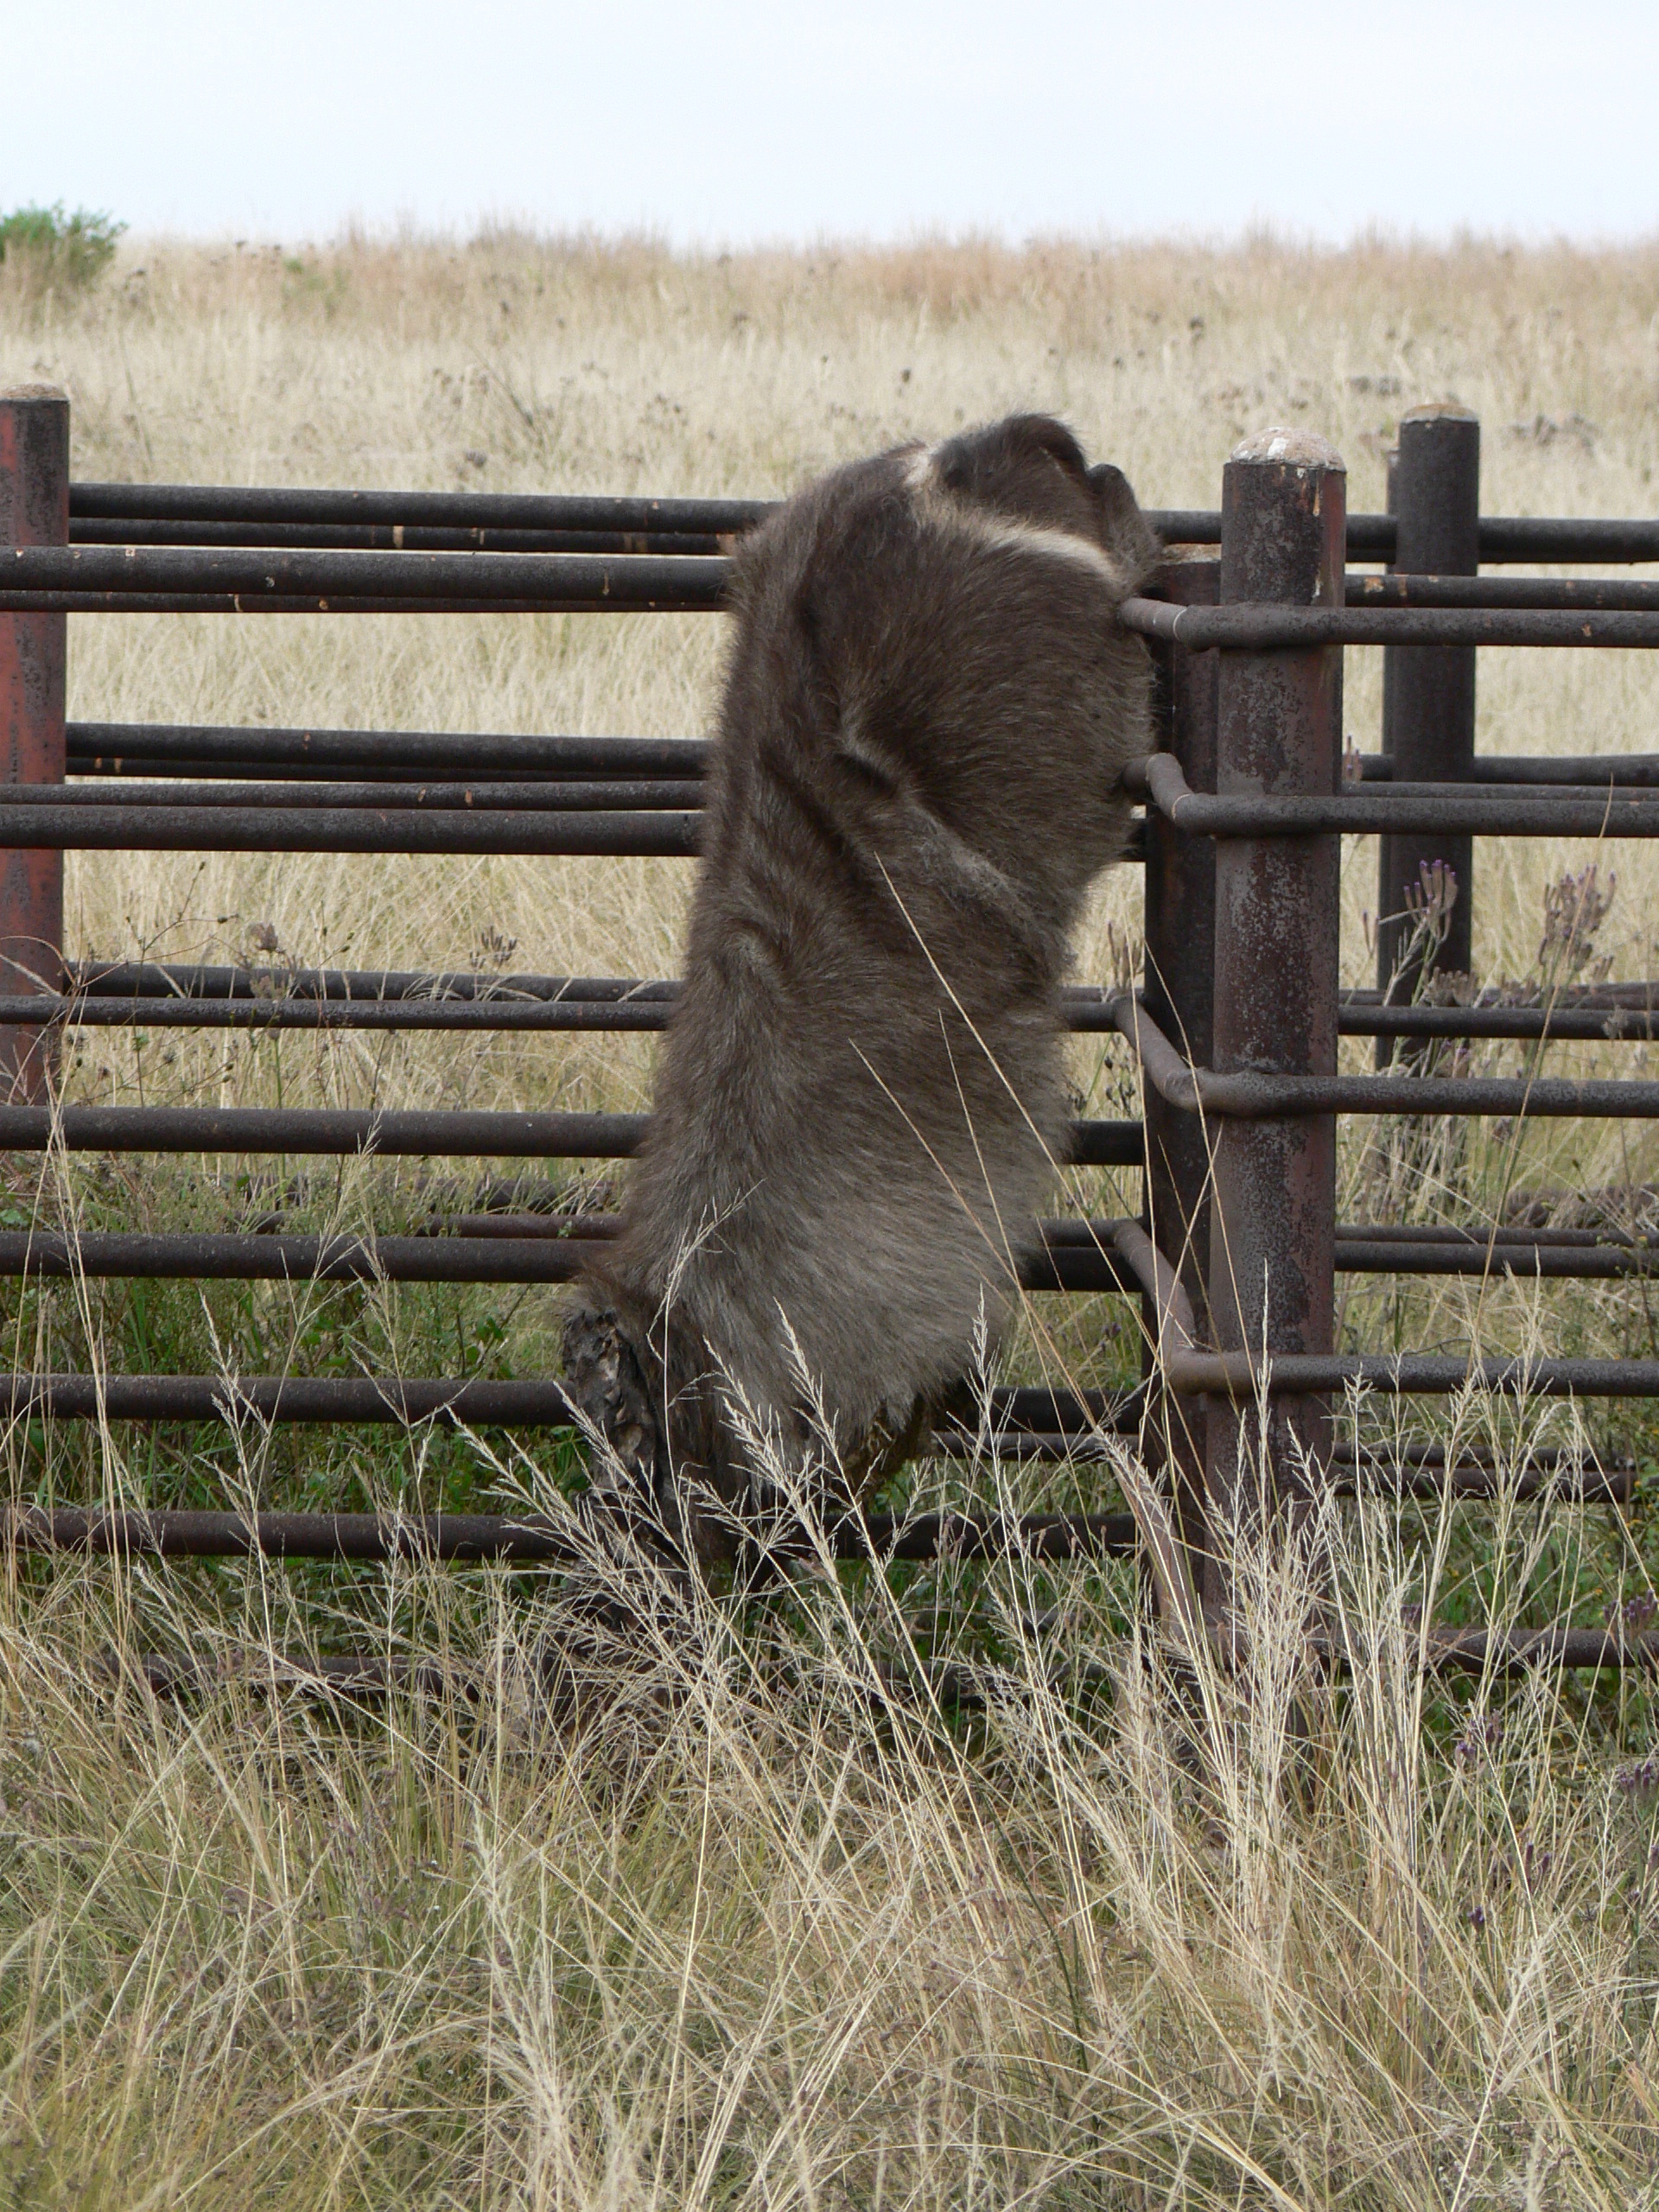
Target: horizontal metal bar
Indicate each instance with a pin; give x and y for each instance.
(662, 796)
(1405, 1374)
(153, 979)
(602, 581)
(368, 1674)
(687, 600)
(436, 510)
(475, 1537)
(1597, 772)
(461, 1537)
(1357, 812)
(458, 1133)
(105, 826)
(478, 1017)
(355, 750)
(1266, 628)
(225, 998)
(483, 1016)
(1468, 1482)
(328, 1130)
(1385, 1256)
(1503, 539)
(1598, 594)
(1564, 1240)
(1253, 1096)
(1055, 1421)
(393, 537)
(103, 1254)
(1370, 536)
(1479, 1650)
(1562, 1024)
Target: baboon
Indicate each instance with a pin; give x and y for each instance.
(861, 1095)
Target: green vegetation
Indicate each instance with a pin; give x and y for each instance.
(76, 249)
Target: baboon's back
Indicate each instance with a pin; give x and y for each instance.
(927, 703)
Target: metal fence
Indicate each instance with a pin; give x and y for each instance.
(1236, 1030)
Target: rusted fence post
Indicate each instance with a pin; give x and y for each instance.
(1273, 1231)
(1428, 691)
(33, 511)
(1180, 932)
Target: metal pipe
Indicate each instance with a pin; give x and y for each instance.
(102, 826)
(1597, 772)
(99, 1255)
(367, 1674)
(1431, 689)
(1245, 1096)
(481, 1016)
(1503, 538)
(1180, 928)
(1263, 628)
(596, 581)
(1394, 807)
(432, 509)
(480, 797)
(457, 1134)
(480, 1402)
(387, 537)
(1538, 1262)
(33, 644)
(449, 1134)
(153, 979)
(1585, 1025)
(1462, 586)
(1279, 724)
(354, 750)
(1240, 1375)
(471, 1538)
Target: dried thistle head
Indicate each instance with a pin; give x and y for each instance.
(1429, 900)
(1575, 906)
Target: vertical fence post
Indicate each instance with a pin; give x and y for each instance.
(1429, 690)
(1273, 1231)
(1180, 917)
(33, 511)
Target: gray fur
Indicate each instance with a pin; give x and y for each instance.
(861, 1095)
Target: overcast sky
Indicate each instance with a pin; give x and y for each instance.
(732, 121)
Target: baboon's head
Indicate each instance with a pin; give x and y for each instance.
(1031, 468)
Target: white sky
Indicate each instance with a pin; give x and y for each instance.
(734, 120)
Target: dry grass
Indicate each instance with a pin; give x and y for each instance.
(781, 1933)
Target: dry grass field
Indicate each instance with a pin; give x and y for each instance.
(774, 1933)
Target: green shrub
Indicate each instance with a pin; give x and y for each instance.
(77, 248)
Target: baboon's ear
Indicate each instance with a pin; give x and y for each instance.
(1124, 530)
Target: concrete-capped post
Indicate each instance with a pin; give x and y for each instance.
(1273, 1231)
(1180, 912)
(33, 511)
(1428, 691)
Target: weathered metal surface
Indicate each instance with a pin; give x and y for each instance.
(1599, 593)
(663, 796)
(1369, 537)
(1262, 628)
(1573, 813)
(1279, 723)
(34, 518)
(97, 747)
(1243, 1377)
(1248, 1096)
(1180, 928)
(90, 823)
(1429, 721)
